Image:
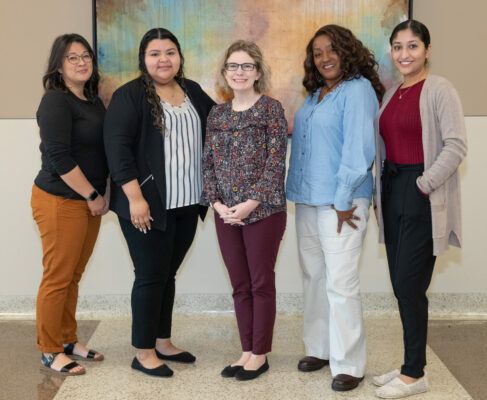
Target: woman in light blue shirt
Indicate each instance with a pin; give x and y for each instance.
(330, 181)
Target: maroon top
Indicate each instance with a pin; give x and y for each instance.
(245, 157)
(400, 126)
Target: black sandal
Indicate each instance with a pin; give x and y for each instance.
(65, 370)
(69, 348)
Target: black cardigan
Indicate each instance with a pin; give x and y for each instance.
(135, 149)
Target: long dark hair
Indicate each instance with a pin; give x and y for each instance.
(53, 80)
(355, 60)
(150, 90)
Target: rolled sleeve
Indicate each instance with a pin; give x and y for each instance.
(54, 117)
(358, 151)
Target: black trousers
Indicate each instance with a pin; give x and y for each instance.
(157, 256)
(409, 245)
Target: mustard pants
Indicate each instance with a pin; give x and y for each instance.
(68, 234)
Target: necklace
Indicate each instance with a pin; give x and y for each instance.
(330, 89)
(401, 94)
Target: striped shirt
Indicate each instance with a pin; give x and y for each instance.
(182, 151)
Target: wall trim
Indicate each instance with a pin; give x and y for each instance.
(442, 305)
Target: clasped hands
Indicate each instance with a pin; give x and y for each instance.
(236, 214)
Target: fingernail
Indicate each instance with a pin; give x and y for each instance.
(145, 231)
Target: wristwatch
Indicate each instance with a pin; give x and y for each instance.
(92, 196)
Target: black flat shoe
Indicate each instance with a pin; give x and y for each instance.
(246, 375)
(229, 371)
(162, 371)
(184, 357)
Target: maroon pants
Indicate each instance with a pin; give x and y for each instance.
(249, 253)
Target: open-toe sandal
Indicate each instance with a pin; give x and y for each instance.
(90, 356)
(65, 370)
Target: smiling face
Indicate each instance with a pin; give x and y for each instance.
(240, 80)
(76, 75)
(162, 60)
(326, 60)
(409, 54)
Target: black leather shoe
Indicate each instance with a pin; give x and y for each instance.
(229, 371)
(162, 371)
(184, 357)
(309, 364)
(246, 375)
(344, 382)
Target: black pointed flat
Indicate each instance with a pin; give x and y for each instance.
(246, 375)
(229, 371)
(184, 357)
(162, 371)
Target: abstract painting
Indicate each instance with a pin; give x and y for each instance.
(205, 28)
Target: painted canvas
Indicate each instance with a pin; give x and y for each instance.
(205, 28)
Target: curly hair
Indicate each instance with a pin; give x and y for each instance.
(53, 79)
(153, 98)
(263, 84)
(355, 60)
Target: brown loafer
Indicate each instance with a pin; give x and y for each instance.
(309, 364)
(344, 382)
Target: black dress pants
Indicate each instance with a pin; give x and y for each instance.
(157, 256)
(409, 245)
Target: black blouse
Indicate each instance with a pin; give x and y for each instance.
(71, 133)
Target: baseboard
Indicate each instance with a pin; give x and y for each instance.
(442, 305)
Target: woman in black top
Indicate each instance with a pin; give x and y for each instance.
(154, 130)
(68, 196)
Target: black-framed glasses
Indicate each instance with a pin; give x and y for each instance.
(244, 66)
(75, 59)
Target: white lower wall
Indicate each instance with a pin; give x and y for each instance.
(110, 270)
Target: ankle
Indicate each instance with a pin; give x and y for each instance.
(144, 354)
(408, 379)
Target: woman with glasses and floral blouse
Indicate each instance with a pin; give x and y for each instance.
(69, 196)
(244, 167)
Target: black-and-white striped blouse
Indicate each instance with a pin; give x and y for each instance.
(182, 151)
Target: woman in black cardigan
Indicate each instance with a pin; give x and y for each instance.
(154, 130)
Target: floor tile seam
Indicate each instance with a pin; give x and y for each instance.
(428, 347)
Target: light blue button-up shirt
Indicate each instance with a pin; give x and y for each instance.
(333, 147)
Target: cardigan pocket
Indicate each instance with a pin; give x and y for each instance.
(438, 222)
(438, 197)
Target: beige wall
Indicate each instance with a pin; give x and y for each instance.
(27, 31)
(28, 28)
(458, 34)
(109, 271)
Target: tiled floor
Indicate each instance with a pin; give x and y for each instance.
(456, 346)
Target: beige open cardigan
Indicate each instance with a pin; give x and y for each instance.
(444, 147)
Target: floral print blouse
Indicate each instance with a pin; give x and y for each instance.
(245, 157)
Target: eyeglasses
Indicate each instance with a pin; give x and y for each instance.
(244, 66)
(75, 59)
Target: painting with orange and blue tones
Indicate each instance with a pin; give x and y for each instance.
(205, 28)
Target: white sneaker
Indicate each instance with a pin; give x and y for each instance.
(397, 389)
(381, 380)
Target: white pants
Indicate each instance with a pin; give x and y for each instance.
(333, 324)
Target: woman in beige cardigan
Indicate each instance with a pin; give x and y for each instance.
(420, 142)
